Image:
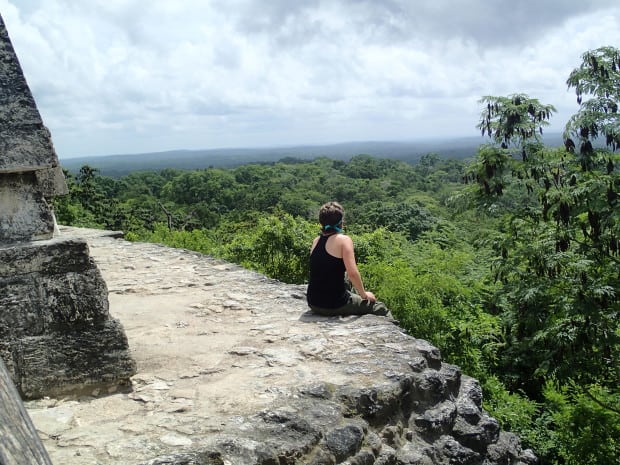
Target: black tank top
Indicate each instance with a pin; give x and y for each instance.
(326, 288)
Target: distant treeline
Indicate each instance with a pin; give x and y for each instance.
(410, 152)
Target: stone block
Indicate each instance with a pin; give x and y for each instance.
(52, 181)
(24, 213)
(57, 334)
(58, 363)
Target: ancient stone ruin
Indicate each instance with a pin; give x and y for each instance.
(56, 334)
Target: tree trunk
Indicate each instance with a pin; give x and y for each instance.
(19, 442)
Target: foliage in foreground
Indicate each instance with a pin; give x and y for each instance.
(557, 255)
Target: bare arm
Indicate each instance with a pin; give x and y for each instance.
(314, 243)
(348, 256)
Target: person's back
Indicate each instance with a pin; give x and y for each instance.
(326, 287)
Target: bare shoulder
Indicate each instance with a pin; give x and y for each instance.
(344, 240)
(314, 242)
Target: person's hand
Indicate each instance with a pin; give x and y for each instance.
(370, 297)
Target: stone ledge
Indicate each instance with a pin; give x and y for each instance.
(53, 256)
(233, 369)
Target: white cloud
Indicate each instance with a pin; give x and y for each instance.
(117, 76)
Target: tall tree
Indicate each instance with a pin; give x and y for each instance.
(513, 119)
(598, 77)
(560, 249)
(558, 254)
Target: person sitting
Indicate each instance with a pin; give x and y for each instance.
(331, 255)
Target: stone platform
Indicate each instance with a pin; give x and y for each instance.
(232, 369)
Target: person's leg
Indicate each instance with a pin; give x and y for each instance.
(355, 306)
(358, 306)
(324, 311)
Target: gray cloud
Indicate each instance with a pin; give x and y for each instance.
(158, 75)
(493, 23)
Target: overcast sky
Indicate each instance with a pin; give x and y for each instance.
(130, 76)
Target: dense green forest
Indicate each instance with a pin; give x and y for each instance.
(508, 262)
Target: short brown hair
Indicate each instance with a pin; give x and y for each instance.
(331, 214)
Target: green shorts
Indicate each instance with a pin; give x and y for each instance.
(355, 306)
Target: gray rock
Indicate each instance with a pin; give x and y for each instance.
(363, 457)
(287, 433)
(345, 441)
(436, 421)
(448, 451)
(55, 325)
(429, 388)
(507, 451)
(30, 174)
(377, 404)
(412, 455)
(62, 363)
(19, 441)
(469, 401)
(25, 142)
(25, 212)
(194, 458)
(476, 436)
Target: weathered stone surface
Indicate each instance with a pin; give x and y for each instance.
(436, 421)
(30, 174)
(25, 215)
(51, 181)
(19, 440)
(25, 143)
(65, 362)
(56, 331)
(232, 369)
(502, 451)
